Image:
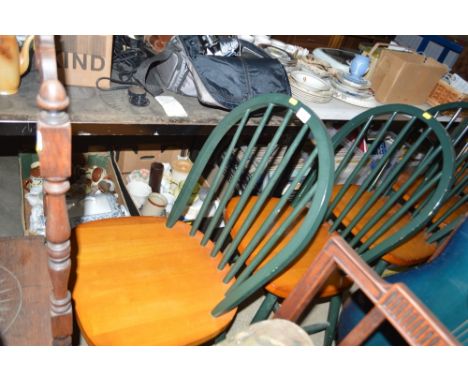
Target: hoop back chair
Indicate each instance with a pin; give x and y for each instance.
(35, 304)
(375, 220)
(148, 281)
(453, 206)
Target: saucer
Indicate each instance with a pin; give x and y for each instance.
(353, 91)
(356, 80)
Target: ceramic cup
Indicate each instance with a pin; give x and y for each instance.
(359, 66)
(139, 191)
(155, 205)
(181, 169)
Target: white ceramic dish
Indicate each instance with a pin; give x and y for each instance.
(309, 98)
(309, 81)
(356, 82)
(356, 101)
(318, 97)
(342, 87)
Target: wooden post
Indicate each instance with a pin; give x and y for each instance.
(53, 146)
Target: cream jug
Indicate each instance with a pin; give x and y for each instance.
(13, 63)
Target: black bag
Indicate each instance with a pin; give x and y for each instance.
(225, 82)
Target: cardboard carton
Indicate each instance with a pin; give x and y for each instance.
(101, 159)
(405, 77)
(129, 160)
(81, 60)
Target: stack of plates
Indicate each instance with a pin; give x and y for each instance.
(355, 91)
(307, 86)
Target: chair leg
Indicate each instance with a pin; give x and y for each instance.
(266, 308)
(333, 313)
(316, 328)
(221, 337)
(380, 267)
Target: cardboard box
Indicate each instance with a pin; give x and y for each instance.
(405, 77)
(129, 160)
(92, 159)
(81, 60)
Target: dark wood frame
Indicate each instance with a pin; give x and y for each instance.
(392, 302)
(41, 268)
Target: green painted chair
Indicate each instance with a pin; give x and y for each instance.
(454, 117)
(454, 206)
(148, 281)
(375, 148)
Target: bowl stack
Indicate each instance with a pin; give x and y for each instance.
(309, 87)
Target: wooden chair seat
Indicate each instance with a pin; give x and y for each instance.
(462, 210)
(123, 262)
(283, 284)
(413, 251)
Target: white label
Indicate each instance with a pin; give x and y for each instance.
(171, 106)
(303, 115)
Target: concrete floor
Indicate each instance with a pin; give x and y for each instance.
(11, 225)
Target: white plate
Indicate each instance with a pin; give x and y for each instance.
(357, 101)
(302, 96)
(343, 88)
(312, 94)
(307, 90)
(309, 81)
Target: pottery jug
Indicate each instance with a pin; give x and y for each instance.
(13, 63)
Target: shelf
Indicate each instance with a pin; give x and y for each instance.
(105, 113)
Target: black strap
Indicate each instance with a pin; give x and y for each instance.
(126, 84)
(143, 76)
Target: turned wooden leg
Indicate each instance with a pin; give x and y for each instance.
(58, 250)
(53, 145)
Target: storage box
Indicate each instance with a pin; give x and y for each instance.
(405, 77)
(129, 160)
(88, 159)
(81, 60)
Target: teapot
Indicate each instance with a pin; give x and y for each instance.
(13, 63)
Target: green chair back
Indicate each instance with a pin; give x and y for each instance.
(292, 126)
(403, 137)
(453, 116)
